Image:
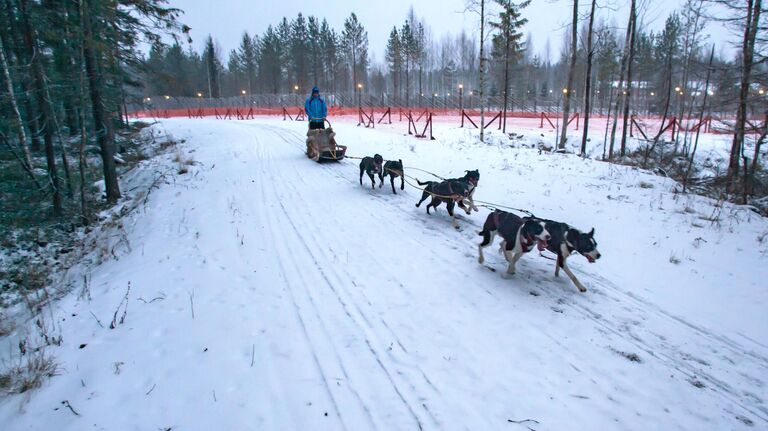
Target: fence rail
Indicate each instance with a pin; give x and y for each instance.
(537, 104)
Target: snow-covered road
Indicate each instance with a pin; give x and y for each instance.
(291, 298)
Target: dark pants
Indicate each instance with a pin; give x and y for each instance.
(316, 125)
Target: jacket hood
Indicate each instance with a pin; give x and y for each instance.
(315, 90)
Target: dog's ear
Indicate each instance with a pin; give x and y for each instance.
(592, 233)
(400, 160)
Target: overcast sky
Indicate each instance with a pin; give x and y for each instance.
(227, 19)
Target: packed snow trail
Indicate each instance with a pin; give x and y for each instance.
(293, 298)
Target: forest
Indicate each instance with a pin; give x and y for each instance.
(72, 71)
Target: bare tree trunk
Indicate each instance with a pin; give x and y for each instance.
(506, 77)
(588, 81)
(627, 100)
(701, 119)
(623, 70)
(689, 44)
(29, 107)
(64, 158)
(571, 71)
(482, 71)
(103, 135)
(19, 123)
(83, 136)
(652, 147)
(750, 31)
(608, 120)
(45, 111)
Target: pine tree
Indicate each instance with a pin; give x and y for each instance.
(507, 45)
(316, 71)
(299, 51)
(394, 58)
(270, 61)
(213, 68)
(355, 42)
(407, 46)
(247, 60)
(284, 39)
(329, 43)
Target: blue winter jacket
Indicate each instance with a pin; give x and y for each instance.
(315, 107)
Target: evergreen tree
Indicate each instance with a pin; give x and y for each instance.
(213, 68)
(355, 43)
(270, 61)
(247, 55)
(316, 71)
(507, 43)
(394, 58)
(299, 52)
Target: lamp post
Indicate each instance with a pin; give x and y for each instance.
(359, 103)
(461, 97)
(359, 96)
(433, 100)
(296, 94)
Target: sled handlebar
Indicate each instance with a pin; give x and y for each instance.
(321, 119)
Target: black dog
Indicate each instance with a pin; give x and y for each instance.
(471, 178)
(448, 191)
(566, 240)
(395, 169)
(520, 236)
(371, 166)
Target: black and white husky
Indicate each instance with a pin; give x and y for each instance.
(520, 236)
(566, 240)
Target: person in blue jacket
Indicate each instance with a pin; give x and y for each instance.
(316, 110)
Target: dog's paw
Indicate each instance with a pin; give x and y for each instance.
(480, 260)
(582, 289)
(507, 275)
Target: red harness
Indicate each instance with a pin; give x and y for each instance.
(527, 243)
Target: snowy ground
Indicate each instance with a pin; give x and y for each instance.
(269, 292)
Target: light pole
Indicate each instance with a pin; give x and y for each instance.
(433, 100)
(648, 105)
(359, 96)
(461, 98)
(296, 94)
(359, 103)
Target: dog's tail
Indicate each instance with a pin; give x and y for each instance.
(424, 183)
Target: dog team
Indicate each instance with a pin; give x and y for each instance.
(519, 234)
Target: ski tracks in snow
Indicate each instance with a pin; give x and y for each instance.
(322, 304)
(718, 364)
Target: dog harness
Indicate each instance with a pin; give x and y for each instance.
(527, 243)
